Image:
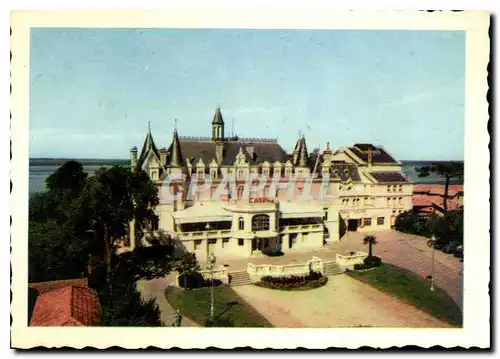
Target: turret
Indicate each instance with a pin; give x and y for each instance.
(133, 158)
(217, 126)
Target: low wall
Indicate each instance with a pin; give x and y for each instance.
(220, 273)
(256, 271)
(349, 259)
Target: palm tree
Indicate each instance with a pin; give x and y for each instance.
(370, 240)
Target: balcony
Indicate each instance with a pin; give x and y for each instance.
(302, 228)
(186, 236)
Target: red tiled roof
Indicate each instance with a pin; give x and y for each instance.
(44, 287)
(67, 306)
(437, 189)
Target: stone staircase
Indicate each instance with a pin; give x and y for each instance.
(332, 268)
(239, 278)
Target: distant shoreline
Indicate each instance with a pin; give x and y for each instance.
(40, 161)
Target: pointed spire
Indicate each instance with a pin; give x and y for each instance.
(175, 159)
(303, 156)
(217, 117)
(149, 126)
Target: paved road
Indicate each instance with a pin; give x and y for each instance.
(342, 302)
(411, 252)
(155, 288)
(403, 250)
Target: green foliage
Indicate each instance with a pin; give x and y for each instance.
(32, 297)
(55, 253)
(68, 177)
(188, 266)
(412, 289)
(73, 229)
(294, 286)
(372, 261)
(447, 228)
(123, 306)
(229, 306)
(219, 322)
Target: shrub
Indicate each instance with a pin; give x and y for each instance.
(372, 261)
(196, 280)
(291, 281)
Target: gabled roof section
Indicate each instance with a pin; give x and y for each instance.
(148, 146)
(389, 177)
(379, 154)
(67, 306)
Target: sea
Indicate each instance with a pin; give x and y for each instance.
(41, 168)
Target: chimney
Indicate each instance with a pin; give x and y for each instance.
(163, 156)
(370, 158)
(133, 158)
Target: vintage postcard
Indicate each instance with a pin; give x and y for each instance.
(258, 178)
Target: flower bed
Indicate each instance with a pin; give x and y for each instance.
(310, 281)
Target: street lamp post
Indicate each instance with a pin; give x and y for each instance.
(211, 264)
(432, 268)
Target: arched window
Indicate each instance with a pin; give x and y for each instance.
(241, 223)
(260, 222)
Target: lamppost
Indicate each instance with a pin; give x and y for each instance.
(211, 264)
(432, 268)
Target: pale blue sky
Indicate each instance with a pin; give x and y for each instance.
(93, 91)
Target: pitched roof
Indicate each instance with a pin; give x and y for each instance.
(438, 190)
(175, 153)
(67, 306)
(43, 287)
(379, 155)
(303, 158)
(149, 145)
(217, 117)
(345, 171)
(389, 177)
(193, 150)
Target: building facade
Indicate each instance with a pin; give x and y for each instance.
(240, 196)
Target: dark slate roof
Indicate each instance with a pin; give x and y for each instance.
(175, 158)
(217, 117)
(149, 144)
(389, 177)
(303, 158)
(346, 171)
(193, 150)
(379, 155)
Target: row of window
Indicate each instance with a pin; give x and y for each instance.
(391, 201)
(368, 221)
(212, 241)
(395, 188)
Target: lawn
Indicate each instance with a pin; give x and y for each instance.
(229, 306)
(412, 289)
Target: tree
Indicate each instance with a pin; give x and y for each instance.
(70, 176)
(110, 199)
(448, 170)
(187, 265)
(371, 241)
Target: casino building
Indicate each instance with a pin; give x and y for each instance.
(365, 186)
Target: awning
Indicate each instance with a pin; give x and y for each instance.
(203, 212)
(300, 210)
